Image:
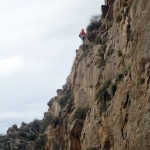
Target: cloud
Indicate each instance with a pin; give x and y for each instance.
(10, 65)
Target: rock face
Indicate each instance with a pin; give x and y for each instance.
(105, 103)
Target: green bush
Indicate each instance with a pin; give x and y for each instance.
(80, 113)
(113, 88)
(40, 142)
(118, 18)
(98, 40)
(102, 63)
(47, 120)
(101, 52)
(110, 52)
(31, 137)
(103, 92)
(56, 121)
(94, 23)
(119, 77)
(104, 47)
(23, 134)
(36, 125)
(130, 34)
(109, 25)
(94, 18)
(64, 99)
(120, 53)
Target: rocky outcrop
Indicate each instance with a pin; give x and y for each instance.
(105, 102)
(20, 138)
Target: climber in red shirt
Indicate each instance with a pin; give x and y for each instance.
(82, 34)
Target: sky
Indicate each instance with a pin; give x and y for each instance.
(38, 40)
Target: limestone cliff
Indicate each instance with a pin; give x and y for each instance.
(105, 103)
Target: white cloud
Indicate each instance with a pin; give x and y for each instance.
(10, 65)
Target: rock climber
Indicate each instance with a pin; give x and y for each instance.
(82, 34)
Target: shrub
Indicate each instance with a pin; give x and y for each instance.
(109, 25)
(94, 23)
(56, 121)
(98, 40)
(130, 35)
(40, 142)
(119, 53)
(63, 100)
(101, 52)
(118, 18)
(23, 134)
(94, 18)
(31, 137)
(110, 52)
(104, 47)
(119, 77)
(48, 119)
(102, 63)
(80, 113)
(103, 92)
(113, 89)
(35, 125)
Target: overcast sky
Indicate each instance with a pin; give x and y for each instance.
(38, 39)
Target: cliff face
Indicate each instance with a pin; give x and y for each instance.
(105, 103)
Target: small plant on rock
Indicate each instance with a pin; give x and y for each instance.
(94, 23)
(104, 47)
(81, 113)
(102, 92)
(101, 63)
(119, 18)
(64, 99)
(110, 52)
(130, 34)
(40, 142)
(120, 53)
(103, 96)
(119, 77)
(98, 40)
(113, 88)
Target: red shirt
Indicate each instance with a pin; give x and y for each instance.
(82, 32)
